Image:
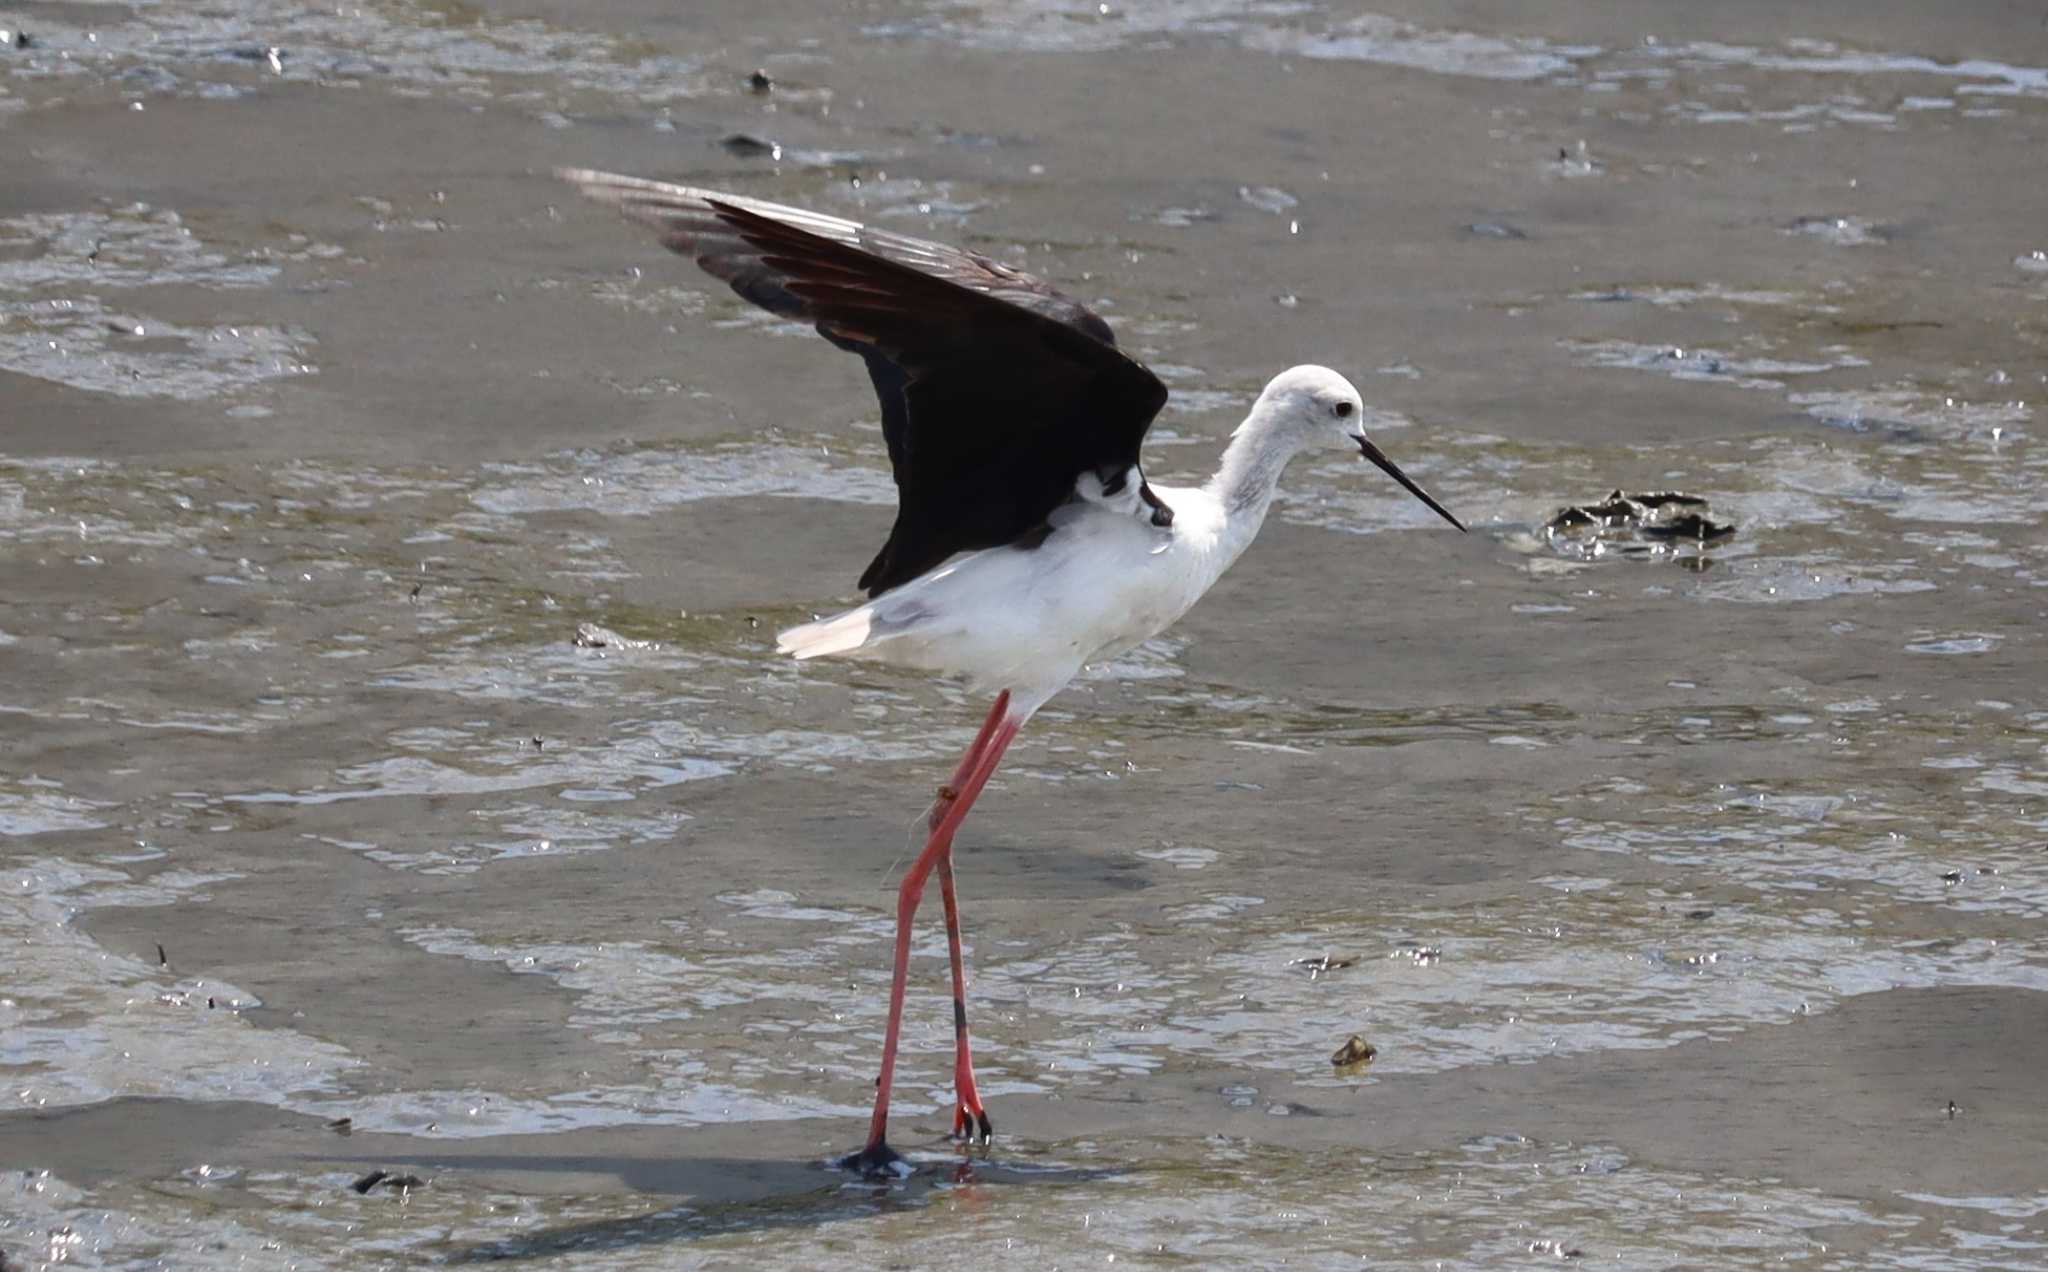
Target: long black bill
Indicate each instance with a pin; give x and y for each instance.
(1388, 467)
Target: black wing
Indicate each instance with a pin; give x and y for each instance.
(997, 392)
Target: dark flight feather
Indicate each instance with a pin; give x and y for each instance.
(997, 392)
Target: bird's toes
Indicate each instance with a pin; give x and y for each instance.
(971, 1126)
(877, 1161)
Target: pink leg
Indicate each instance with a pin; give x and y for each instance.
(969, 1117)
(980, 764)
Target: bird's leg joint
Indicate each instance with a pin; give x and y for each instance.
(942, 804)
(1162, 515)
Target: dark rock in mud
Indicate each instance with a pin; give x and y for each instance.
(1355, 1054)
(748, 146)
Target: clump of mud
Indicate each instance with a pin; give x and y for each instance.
(1651, 525)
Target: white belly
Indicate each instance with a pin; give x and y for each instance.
(1027, 620)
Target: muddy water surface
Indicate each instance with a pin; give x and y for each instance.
(1694, 898)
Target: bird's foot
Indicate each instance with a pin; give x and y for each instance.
(970, 1119)
(877, 1161)
(972, 1126)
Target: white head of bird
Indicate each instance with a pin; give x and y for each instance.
(1307, 405)
(1301, 407)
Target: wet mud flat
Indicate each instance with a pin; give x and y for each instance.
(1690, 890)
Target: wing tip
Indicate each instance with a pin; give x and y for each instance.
(660, 203)
(593, 183)
(657, 203)
(825, 637)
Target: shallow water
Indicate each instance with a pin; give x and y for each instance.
(391, 550)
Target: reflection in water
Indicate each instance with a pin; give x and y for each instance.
(1492, 1201)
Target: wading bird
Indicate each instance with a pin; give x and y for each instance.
(1027, 541)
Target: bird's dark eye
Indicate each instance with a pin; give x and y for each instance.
(1342, 409)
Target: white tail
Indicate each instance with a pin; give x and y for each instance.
(840, 634)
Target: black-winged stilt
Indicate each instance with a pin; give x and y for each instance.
(1027, 541)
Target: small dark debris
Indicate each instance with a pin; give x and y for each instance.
(1424, 955)
(1689, 526)
(1324, 965)
(397, 1183)
(748, 146)
(162, 959)
(1669, 499)
(759, 82)
(1355, 1052)
(210, 1004)
(342, 1125)
(1620, 509)
(1951, 877)
(1639, 525)
(1494, 230)
(1699, 914)
(1557, 1249)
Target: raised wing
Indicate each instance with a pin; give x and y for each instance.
(997, 392)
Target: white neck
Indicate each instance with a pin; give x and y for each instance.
(1245, 483)
(1249, 475)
